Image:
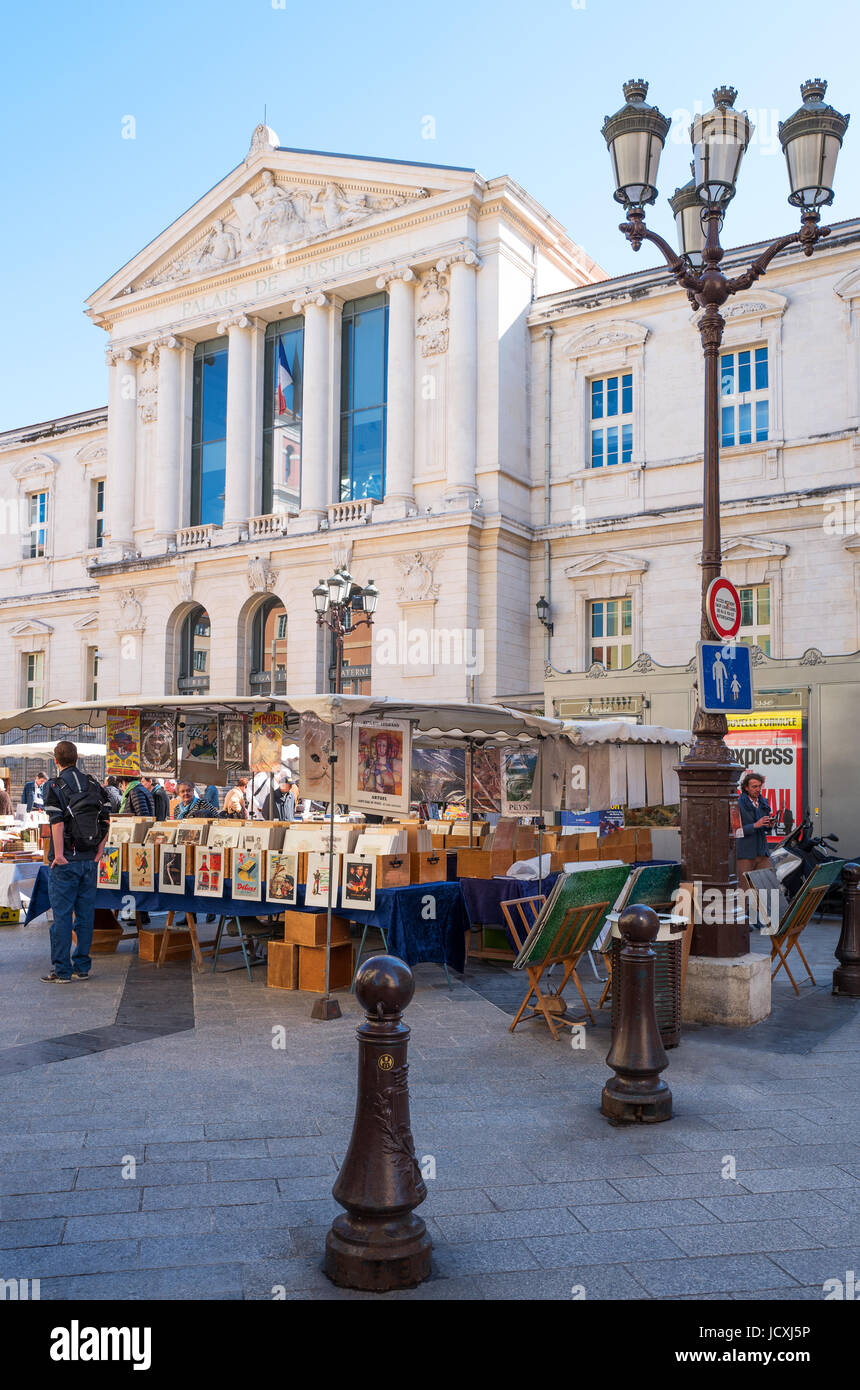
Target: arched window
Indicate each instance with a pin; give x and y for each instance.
(194, 653)
(269, 649)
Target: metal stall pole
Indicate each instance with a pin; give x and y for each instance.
(327, 1007)
(470, 799)
(540, 821)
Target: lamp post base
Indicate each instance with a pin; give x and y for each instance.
(378, 1251)
(708, 779)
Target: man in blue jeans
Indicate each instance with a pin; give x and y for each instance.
(79, 816)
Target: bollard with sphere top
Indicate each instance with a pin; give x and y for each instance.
(846, 977)
(636, 1095)
(379, 1243)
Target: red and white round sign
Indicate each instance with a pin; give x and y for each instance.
(723, 603)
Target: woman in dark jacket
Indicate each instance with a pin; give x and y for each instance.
(756, 820)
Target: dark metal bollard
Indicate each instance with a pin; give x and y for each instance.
(636, 1094)
(379, 1243)
(846, 977)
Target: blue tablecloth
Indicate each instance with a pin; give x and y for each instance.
(423, 922)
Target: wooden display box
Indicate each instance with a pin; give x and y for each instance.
(309, 928)
(149, 944)
(440, 841)
(282, 971)
(483, 863)
(430, 866)
(643, 844)
(393, 870)
(312, 967)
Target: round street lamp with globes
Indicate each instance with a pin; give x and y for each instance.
(811, 139)
(337, 602)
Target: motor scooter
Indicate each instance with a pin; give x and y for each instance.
(798, 854)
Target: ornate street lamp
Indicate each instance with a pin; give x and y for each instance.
(811, 139)
(542, 608)
(337, 601)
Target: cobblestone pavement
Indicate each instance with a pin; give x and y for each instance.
(236, 1143)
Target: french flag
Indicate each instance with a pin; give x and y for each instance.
(282, 381)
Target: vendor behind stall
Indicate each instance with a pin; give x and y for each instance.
(191, 806)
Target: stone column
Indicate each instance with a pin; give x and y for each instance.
(168, 453)
(400, 393)
(240, 400)
(121, 447)
(462, 433)
(317, 433)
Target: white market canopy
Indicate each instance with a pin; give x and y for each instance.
(46, 750)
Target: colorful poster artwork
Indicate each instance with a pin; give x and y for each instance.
(201, 741)
(110, 866)
(359, 883)
(282, 872)
(122, 735)
(157, 744)
(141, 868)
(770, 742)
(439, 776)
(381, 765)
(317, 889)
(208, 872)
(517, 767)
(267, 738)
(234, 742)
(315, 743)
(247, 875)
(171, 874)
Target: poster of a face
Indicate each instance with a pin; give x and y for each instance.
(157, 744)
(267, 738)
(141, 868)
(518, 772)
(234, 742)
(359, 883)
(317, 891)
(315, 740)
(201, 741)
(282, 872)
(208, 872)
(171, 873)
(381, 765)
(247, 875)
(109, 867)
(122, 733)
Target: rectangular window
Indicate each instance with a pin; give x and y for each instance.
(92, 673)
(755, 617)
(281, 627)
(611, 629)
(745, 405)
(36, 538)
(363, 384)
(282, 417)
(200, 660)
(34, 667)
(209, 433)
(99, 514)
(612, 403)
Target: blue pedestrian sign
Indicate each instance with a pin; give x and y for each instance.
(725, 677)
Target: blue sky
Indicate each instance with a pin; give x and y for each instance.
(513, 88)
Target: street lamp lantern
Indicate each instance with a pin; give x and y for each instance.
(720, 138)
(333, 583)
(635, 136)
(687, 211)
(371, 597)
(811, 140)
(542, 608)
(320, 598)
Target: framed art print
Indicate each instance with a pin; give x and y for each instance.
(110, 867)
(247, 875)
(208, 872)
(171, 873)
(141, 868)
(317, 890)
(381, 765)
(282, 873)
(157, 744)
(359, 883)
(189, 835)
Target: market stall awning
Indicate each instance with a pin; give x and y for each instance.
(588, 731)
(46, 750)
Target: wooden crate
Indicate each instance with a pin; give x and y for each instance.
(283, 966)
(393, 870)
(588, 844)
(483, 863)
(149, 944)
(312, 967)
(430, 866)
(309, 928)
(643, 844)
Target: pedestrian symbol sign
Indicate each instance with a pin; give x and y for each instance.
(725, 678)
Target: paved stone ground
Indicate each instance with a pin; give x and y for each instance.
(237, 1143)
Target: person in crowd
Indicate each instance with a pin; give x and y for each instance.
(137, 799)
(114, 795)
(5, 800)
(191, 806)
(236, 800)
(756, 820)
(261, 794)
(285, 799)
(33, 795)
(79, 817)
(160, 799)
(213, 796)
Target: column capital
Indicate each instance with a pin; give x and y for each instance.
(167, 340)
(404, 273)
(316, 298)
(464, 256)
(238, 320)
(118, 354)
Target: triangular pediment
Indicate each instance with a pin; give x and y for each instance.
(607, 562)
(87, 621)
(31, 627)
(275, 201)
(753, 548)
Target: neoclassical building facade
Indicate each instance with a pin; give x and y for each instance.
(415, 372)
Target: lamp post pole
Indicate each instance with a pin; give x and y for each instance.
(811, 139)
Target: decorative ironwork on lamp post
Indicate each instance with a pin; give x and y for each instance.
(811, 139)
(336, 600)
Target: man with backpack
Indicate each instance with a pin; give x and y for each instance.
(79, 816)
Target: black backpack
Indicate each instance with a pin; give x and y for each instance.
(83, 810)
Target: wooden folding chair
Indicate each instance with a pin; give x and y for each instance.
(578, 928)
(520, 915)
(786, 938)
